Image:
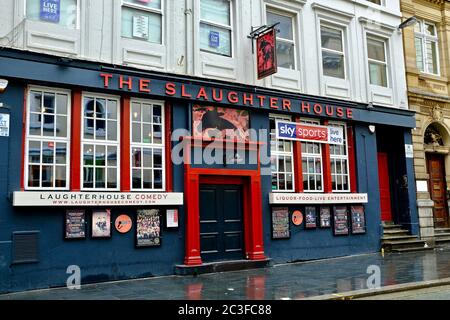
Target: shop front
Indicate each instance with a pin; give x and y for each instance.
(128, 174)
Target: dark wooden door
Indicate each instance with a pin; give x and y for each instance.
(221, 227)
(385, 187)
(437, 186)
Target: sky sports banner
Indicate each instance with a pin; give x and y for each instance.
(309, 132)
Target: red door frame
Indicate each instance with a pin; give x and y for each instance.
(383, 176)
(252, 205)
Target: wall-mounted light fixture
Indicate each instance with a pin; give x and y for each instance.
(372, 128)
(3, 85)
(408, 22)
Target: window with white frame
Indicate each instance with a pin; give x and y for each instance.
(312, 168)
(62, 12)
(281, 156)
(147, 145)
(100, 142)
(376, 52)
(426, 42)
(47, 139)
(340, 176)
(216, 30)
(142, 20)
(285, 38)
(379, 2)
(333, 57)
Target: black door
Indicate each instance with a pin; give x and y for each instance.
(221, 234)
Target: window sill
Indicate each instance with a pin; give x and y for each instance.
(430, 76)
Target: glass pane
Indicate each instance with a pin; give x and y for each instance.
(158, 181)
(333, 182)
(378, 75)
(49, 125)
(154, 4)
(345, 182)
(136, 160)
(338, 166)
(288, 164)
(216, 11)
(47, 152)
(430, 30)
(221, 43)
(375, 49)
(88, 177)
(157, 117)
(136, 112)
(60, 176)
(318, 166)
(157, 134)
(146, 133)
(333, 65)
(318, 182)
(141, 25)
(418, 27)
(274, 181)
(112, 130)
(61, 104)
(281, 182)
(281, 164)
(147, 113)
(148, 179)
(89, 108)
(89, 128)
(112, 178)
(432, 57)
(112, 109)
(88, 155)
(331, 38)
(61, 153)
(61, 126)
(112, 156)
(33, 176)
(100, 155)
(35, 101)
(289, 185)
(100, 129)
(419, 53)
(285, 55)
(49, 103)
(100, 181)
(136, 176)
(67, 16)
(136, 132)
(157, 158)
(47, 176)
(35, 124)
(34, 152)
(100, 109)
(147, 158)
(285, 25)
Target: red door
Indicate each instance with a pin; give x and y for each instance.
(438, 188)
(385, 191)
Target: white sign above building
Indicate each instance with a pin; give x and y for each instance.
(317, 198)
(83, 199)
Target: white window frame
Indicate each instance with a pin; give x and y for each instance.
(77, 27)
(382, 3)
(147, 9)
(152, 146)
(66, 140)
(312, 156)
(386, 56)
(341, 157)
(218, 25)
(424, 38)
(282, 153)
(325, 23)
(292, 16)
(105, 142)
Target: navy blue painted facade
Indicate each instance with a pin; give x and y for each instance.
(117, 258)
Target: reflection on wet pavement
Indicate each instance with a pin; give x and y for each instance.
(284, 282)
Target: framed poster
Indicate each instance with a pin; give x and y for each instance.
(172, 218)
(325, 217)
(101, 224)
(123, 223)
(310, 218)
(75, 224)
(148, 228)
(280, 223)
(266, 54)
(358, 220)
(297, 217)
(340, 220)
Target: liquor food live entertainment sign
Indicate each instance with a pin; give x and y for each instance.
(317, 198)
(309, 132)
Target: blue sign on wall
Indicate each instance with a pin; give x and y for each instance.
(214, 37)
(50, 10)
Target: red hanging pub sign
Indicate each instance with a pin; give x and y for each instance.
(266, 53)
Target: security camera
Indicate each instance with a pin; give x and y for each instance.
(3, 85)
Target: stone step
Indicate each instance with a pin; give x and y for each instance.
(392, 226)
(442, 235)
(395, 232)
(441, 230)
(403, 244)
(442, 239)
(390, 238)
(401, 250)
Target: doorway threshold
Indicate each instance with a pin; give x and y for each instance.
(221, 266)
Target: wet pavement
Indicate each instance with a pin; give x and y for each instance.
(281, 282)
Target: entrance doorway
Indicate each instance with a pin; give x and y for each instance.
(437, 187)
(385, 186)
(221, 222)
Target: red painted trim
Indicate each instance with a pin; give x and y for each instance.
(125, 145)
(191, 197)
(298, 170)
(221, 180)
(351, 159)
(24, 139)
(327, 183)
(75, 142)
(168, 140)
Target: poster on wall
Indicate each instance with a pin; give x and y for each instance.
(172, 218)
(325, 217)
(340, 220)
(297, 217)
(220, 123)
(123, 223)
(50, 10)
(101, 224)
(75, 224)
(310, 218)
(148, 228)
(266, 54)
(280, 223)
(358, 220)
